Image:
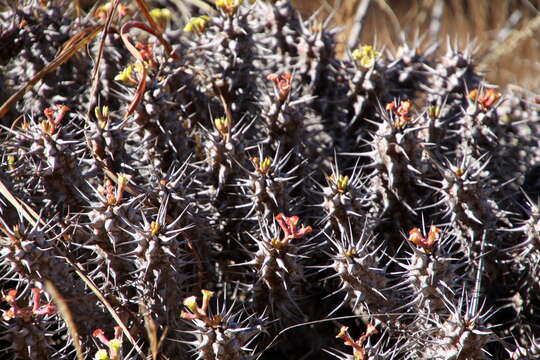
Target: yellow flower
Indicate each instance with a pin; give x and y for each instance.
(155, 227)
(207, 295)
(265, 165)
(191, 303)
(342, 183)
(102, 355)
(366, 56)
(115, 344)
(222, 125)
(229, 6)
(123, 178)
(197, 24)
(102, 115)
(11, 162)
(161, 14)
(125, 75)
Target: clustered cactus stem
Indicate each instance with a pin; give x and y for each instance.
(218, 181)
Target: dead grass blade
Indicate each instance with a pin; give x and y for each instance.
(104, 301)
(141, 86)
(156, 29)
(510, 44)
(358, 23)
(95, 75)
(70, 48)
(64, 310)
(26, 211)
(391, 14)
(78, 8)
(151, 329)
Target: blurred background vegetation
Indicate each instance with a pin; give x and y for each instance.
(506, 32)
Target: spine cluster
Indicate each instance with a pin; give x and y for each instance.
(387, 197)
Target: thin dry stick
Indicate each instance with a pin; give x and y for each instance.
(95, 75)
(26, 213)
(358, 23)
(63, 309)
(78, 8)
(391, 14)
(183, 7)
(151, 329)
(109, 307)
(156, 29)
(25, 210)
(511, 43)
(507, 29)
(479, 14)
(71, 48)
(363, 316)
(436, 15)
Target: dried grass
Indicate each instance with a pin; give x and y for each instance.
(506, 32)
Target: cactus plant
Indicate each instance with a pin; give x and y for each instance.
(235, 154)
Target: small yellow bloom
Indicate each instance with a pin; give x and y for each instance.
(434, 111)
(197, 24)
(222, 125)
(207, 295)
(342, 332)
(115, 344)
(350, 252)
(102, 355)
(191, 303)
(102, 115)
(11, 162)
(125, 75)
(155, 227)
(342, 183)
(366, 56)
(229, 6)
(265, 165)
(161, 14)
(459, 172)
(123, 178)
(47, 127)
